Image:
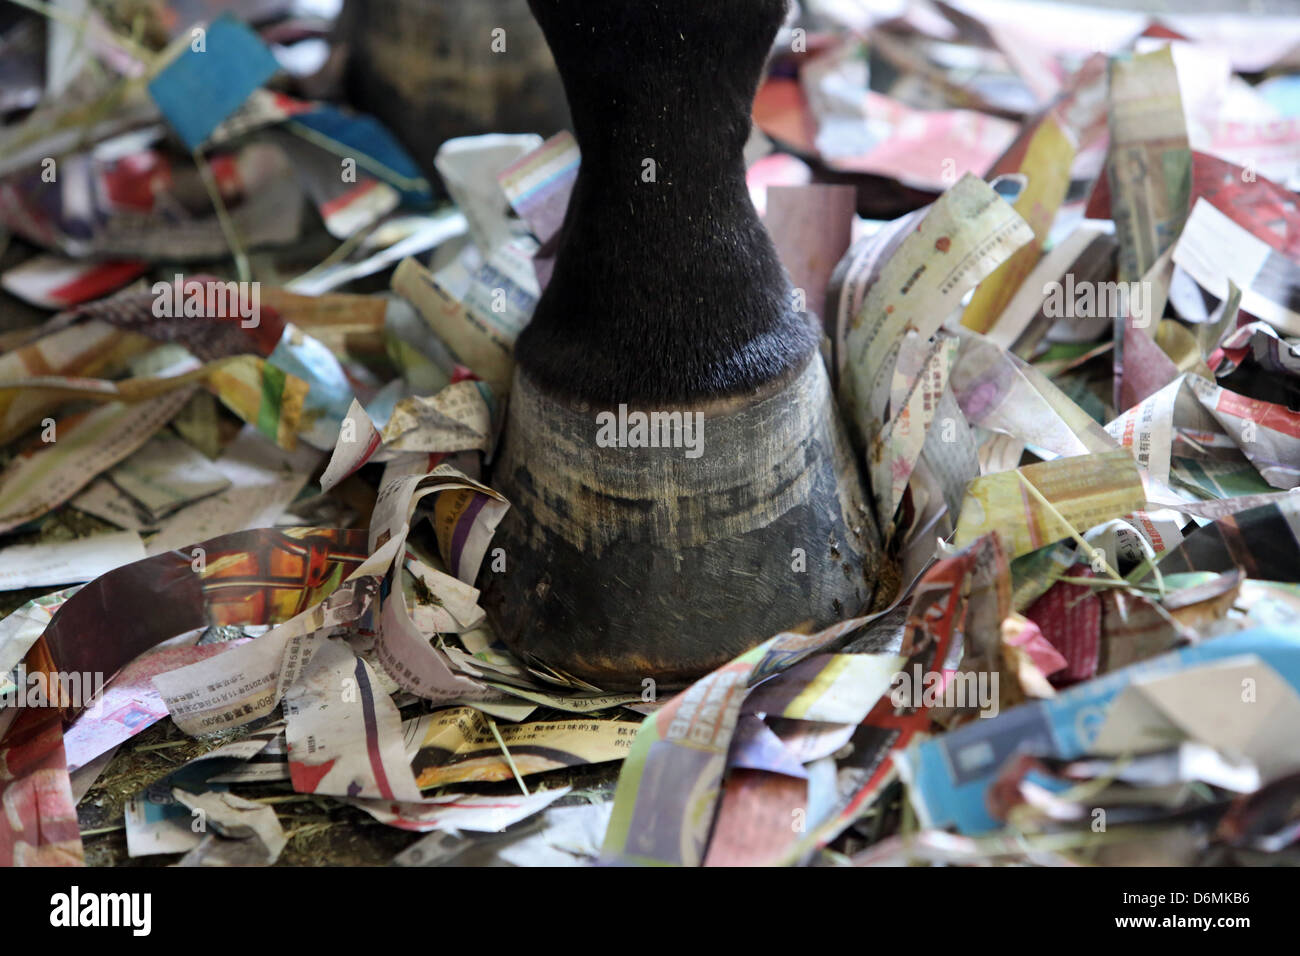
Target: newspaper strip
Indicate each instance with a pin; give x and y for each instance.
(457, 745)
(1217, 250)
(949, 777)
(464, 516)
(853, 278)
(237, 586)
(957, 595)
(1267, 434)
(270, 211)
(1000, 392)
(1084, 491)
(67, 562)
(130, 704)
(949, 457)
(482, 345)
(345, 207)
(24, 627)
(538, 187)
(84, 446)
(1086, 255)
(443, 604)
(452, 812)
(757, 817)
(55, 282)
(359, 441)
(1264, 542)
(810, 740)
(830, 688)
(1217, 508)
(1260, 342)
(472, 168)
(1068, 615)
(922, 148)
(920, 379)
(263, 480)
(672, 778)
(248, 682)
(350, 326)
(1271, 147)
(1045, 163)
(578, 703)
(39, 827)
(199, 425)
(262, 395)
(1139, 365)
(389, 243)
(1147, 429)
(156, 822)
(811, 227)
(237, 831)
(93, 348)
(343, 732)
(254, 577)
(458, 418)
(967, 233)
(538, 184)
(166, 474)
(1150, 164)
(1216, 477)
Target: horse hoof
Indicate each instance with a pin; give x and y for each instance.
(624, 563)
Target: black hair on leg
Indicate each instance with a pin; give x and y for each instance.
(666, 287)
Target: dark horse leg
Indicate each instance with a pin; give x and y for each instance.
(622, 562)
